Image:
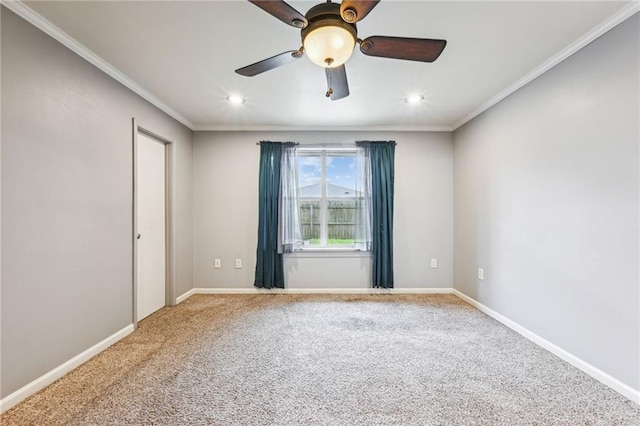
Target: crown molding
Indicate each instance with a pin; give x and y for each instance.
(38, 21)
(311, 128)
(28, 14)
(626, 12)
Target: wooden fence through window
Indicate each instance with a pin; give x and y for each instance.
(341, 219)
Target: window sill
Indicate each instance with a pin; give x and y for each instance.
(329, 252)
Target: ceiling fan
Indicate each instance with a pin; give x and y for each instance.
(329, 36)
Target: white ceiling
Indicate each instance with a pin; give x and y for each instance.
(182, 56)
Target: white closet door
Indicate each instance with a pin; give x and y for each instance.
(151, 249)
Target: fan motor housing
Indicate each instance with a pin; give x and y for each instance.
(326, 14)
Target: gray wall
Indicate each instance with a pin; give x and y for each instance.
(67, 202)
(546, 201)
(225, 211)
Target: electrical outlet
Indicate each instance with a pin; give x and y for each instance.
(216, 263)
(238, 263)
(480, 274)
(434, 263)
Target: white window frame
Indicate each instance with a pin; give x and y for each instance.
(323, 153)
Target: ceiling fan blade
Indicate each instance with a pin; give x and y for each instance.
(412, 49)
(337, 86)
(282, 11)
(355, 10)
(270, 63)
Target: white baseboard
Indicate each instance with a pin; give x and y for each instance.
(53, 375)
(185, 296)
(255, 290)
(596, 373)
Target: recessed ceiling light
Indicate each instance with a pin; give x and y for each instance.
(235, 99)
(414, 99)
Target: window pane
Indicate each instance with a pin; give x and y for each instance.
(340, 190)
(341, 176)
(310, 219)
(341, 223)
(310, 176)
(327, 183)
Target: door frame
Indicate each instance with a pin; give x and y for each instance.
(170, 281)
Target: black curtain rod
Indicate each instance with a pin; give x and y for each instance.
(322, 144)
(365, 142)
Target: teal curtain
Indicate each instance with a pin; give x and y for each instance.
(381, 156)
(269, 268)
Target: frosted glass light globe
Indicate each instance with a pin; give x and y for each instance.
(329, 46)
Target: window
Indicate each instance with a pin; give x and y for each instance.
(329, 198)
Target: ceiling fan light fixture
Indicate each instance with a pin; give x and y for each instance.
(328, 41)
(329, 46)
(329, 36)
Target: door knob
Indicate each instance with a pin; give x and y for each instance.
(138, 236)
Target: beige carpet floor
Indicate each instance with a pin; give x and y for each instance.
(324, 360)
